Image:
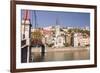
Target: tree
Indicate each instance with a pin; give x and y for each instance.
(76, 30)
(36, 37)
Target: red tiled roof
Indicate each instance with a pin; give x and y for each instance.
(46, 32)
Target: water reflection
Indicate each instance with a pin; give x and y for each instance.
(60, 56)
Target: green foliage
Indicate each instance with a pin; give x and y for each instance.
(76, 30)
(66, 44)
(37, 35)
(50, 45)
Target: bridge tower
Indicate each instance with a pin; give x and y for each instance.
(25, 36)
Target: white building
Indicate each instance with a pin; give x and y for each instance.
(59, 39)
(80, 40)
(53, 35)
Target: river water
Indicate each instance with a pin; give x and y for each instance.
(60, 56)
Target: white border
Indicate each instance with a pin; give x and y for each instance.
(20, 65)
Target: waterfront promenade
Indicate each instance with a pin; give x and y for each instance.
(48, 49)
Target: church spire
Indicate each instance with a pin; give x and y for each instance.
(57, 21)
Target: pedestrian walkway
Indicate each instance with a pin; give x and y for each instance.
(38, 49)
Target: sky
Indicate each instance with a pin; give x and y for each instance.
(64, 19)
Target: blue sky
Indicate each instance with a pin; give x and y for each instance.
(64, 19)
